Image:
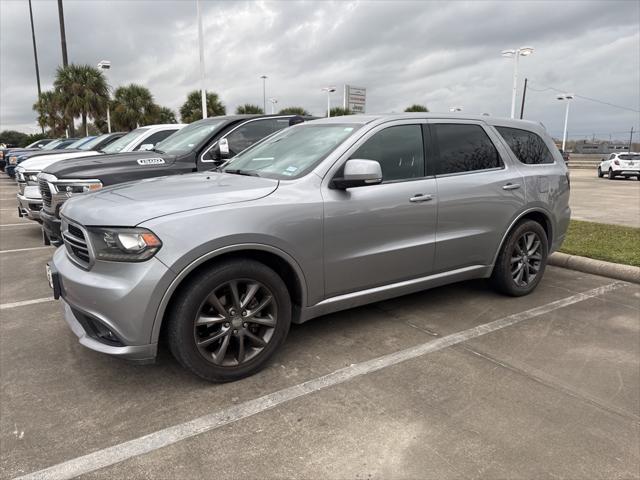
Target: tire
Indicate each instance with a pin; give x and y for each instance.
(505, 273)
(638, 178)
(195, 300)
(600, 174)
(611, 175)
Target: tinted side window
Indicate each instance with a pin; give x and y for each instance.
(250, 133)
(399, 150)
(154, 138)
(528, 147)
(464, 148)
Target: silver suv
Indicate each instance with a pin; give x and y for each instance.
(319, 217)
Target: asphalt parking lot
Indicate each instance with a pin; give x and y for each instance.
(456, 382)
(604, 201)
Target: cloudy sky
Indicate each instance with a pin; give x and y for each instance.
(440, 54)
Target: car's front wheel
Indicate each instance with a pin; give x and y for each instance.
(522, 260)
(228, 321)
(600, 174)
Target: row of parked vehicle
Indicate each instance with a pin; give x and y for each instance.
(219, 236)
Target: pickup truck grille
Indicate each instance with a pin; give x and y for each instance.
(76, 244)
(45, 192)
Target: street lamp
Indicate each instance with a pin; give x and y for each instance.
(329, 91)
(273, 104)
(566, 97)
(264, 93)
(106, 65)
(455, 109)
(516, 54)
(203, 91)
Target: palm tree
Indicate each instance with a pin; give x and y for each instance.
(294, 111)
(133, 106)
(339, 111)
(83, 91)
(416, 108)
(248, 108)
(191, 110)
(165, 115)
(50, 113)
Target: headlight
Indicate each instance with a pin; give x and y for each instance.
(124, 244)
(19, 176)
(33, 178)
(13, 160)
(78, 187)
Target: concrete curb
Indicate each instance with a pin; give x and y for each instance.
(618, 271)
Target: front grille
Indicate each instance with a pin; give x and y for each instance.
(76, 244)
(45, 192)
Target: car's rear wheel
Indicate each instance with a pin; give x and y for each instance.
(611, 175)
(522, 260)
(228, 321)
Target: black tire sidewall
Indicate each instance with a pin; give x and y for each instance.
(187, 305)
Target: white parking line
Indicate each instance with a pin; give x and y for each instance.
(168, 436)
(15, 250)
(27, 224)
(5, 306)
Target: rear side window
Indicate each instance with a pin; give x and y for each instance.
(528, 147)
(464, 148)
(251, 132)
(399, 150)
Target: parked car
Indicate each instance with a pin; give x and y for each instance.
(86, 146)
(12, 157)
(317, 218)
(193, 148)
(620, 165)
(35, 145)
(29, 197)
(565, 156)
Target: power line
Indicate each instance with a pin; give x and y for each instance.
(582, 97)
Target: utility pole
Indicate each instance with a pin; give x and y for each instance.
(630, 139)
(203, 92)
(63, 36)
(264, 93)
(35, 56)
(524, 95)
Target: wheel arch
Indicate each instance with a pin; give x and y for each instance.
(281, 262)
(536, 214)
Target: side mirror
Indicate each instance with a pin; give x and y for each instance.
(358, 173)
(223, 149)
(146, 146)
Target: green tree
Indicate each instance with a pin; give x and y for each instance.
(293, 111)
(132, 106)
(82, 91)
(339, 111)
(191, 110)
(416, 108)
(249, 108)
(165, 115)
(13, 137)
(50, 114)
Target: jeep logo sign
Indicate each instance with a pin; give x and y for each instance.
(150, 161)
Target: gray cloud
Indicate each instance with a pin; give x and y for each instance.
(438, 53)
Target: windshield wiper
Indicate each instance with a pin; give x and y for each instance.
(239, 171)
(157, 150)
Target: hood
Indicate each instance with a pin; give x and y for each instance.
(93, 167)
(39, 163)
(130, 204)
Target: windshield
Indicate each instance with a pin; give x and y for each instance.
(118, 145)
(77, 143)
(629, 157)
(93, 142)
(52, 145)
(35, 144)
(292, 152)
(188, 138)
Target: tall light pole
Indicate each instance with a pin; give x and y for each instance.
(273, 105)
(264, 93)
(35, 56)
(329, 91)
(567, 97)
(516, 54)
(106, 65)
(203, 91)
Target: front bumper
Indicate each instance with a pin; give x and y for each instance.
(30, 203)
(51, 227)
(121, 298)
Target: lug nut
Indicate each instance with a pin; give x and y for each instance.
(226, 324)
(245, 324)
(235, 332)
(244, 313)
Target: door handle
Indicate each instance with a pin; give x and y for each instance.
(511, 186)
(419, 197)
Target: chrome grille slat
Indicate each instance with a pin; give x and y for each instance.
(76, 243)
(45, 192)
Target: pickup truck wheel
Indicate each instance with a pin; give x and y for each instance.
(228, 321)
(522, 260)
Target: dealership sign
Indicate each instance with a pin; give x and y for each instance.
(355, 98)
